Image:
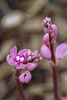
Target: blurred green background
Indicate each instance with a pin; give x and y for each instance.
(21, 25)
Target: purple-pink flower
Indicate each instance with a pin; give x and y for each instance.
(23, 59)
(15, 59)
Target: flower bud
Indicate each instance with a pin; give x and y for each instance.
(45, 51)
(46, 39)
(25, 77)
(40, 58)
(31, 66)
(36, 60)
(61, 51)
(54, 30)
(29, 53)
(29, 58)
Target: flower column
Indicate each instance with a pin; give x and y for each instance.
(19, 85)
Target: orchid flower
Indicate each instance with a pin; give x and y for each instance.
(15, 59)
(23, 59)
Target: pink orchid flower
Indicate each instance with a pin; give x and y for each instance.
(24, 58)
(15, 59)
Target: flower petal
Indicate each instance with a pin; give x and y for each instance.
(25, 77)
(13, 52)
(22, 66)
(31, 66)
(61, 50)
(24, 51)
(45, 51)
(10, 61)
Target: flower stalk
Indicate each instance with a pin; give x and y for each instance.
(19, 86)
(54, 73)
(51, 52)
(55, 82)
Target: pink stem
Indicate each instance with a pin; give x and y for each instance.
(55, 82)
(54, 74)
(19, 86)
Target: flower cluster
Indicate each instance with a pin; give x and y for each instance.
(49, 40)
(24, 59)
(51, 52)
